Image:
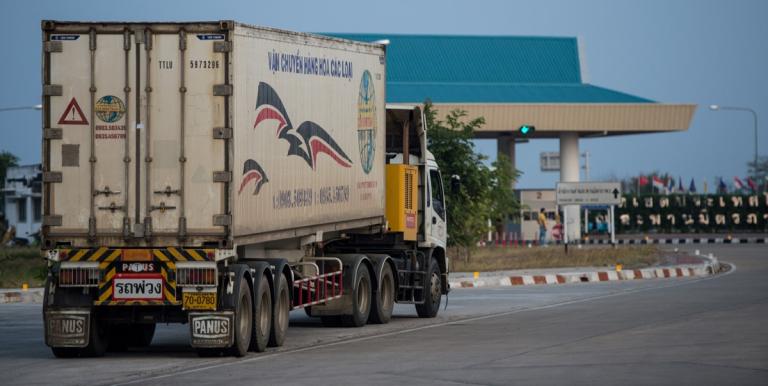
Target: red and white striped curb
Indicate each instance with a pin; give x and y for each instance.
(585, 277)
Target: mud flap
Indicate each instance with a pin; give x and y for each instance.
(212, 329)
(67, 328)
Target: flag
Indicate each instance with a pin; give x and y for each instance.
(670, 185)
(680, 187)
(705, 187)
(752, 184)
(643, 180)
(692, 188)
(721, 188)
(658, 183)
(737, 183)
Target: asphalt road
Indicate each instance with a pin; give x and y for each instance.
(666, 331)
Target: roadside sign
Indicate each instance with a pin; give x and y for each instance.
(588, 193)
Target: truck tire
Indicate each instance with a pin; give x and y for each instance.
(243, 320)
(384, 299)
(433, 294)
(280, 313)
(361, 299)
(123, 336)
(262, 313)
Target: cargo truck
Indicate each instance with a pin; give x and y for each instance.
(221, 175)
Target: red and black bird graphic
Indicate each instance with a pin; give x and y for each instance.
(252, 171)
(307, 141)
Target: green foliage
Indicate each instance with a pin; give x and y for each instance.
(485, 193)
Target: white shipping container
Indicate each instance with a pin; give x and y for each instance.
(214, 132)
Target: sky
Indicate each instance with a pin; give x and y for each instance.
(674, 51)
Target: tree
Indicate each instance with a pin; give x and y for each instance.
(6, 160)
(484, 193)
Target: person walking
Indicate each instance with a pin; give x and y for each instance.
(542, 227)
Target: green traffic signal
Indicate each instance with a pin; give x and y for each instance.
(526, 129)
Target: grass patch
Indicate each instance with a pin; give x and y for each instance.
(495, 259)
(22, 265)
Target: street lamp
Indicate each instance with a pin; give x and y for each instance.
(35, 107)
(754, 115)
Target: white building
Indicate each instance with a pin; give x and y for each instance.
(23, 195)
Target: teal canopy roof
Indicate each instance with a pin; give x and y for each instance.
(487, 69)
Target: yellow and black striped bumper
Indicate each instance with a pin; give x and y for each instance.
(109, 260)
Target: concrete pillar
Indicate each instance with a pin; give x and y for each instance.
(569, 172)
(506, 146)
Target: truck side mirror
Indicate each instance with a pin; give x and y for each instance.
(455, 184)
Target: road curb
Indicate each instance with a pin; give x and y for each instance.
(32, 295)
(662, 272)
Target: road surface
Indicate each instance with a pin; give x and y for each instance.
(665, 331)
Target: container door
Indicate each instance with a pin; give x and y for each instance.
(185, 121)
(135, 135)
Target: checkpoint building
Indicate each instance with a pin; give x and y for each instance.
(513, 81)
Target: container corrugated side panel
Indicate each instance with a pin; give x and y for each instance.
(309, 131)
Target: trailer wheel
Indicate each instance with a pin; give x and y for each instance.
(262, 323)
(331, 320)
(384, 301)
(361, 299)
(123, 336)
(243, 320)
(434, 293)
(280, 314)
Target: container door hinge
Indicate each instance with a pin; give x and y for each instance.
(53, 90)
(222, 133)
(52, 177)
(182, 227)
(52, 133)
(222, 176)
(222, 220)
(222, 90)
(92, 227)
(53, 46)
(53, 220)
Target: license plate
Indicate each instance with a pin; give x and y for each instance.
(199, 300)
(137, 287)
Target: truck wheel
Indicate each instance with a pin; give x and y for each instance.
(361, 299)
(122, 336)
(434, 294)
(384, 301)
(243, 320)
(331, 320)
(262, 323)
(280, 314)
(141, 334)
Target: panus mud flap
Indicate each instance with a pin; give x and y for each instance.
(212, 329)
(67, 328)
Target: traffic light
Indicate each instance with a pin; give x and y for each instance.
(526, 130)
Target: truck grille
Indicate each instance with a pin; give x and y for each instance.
(79, 276)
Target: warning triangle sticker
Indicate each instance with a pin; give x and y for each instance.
(73, 115)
